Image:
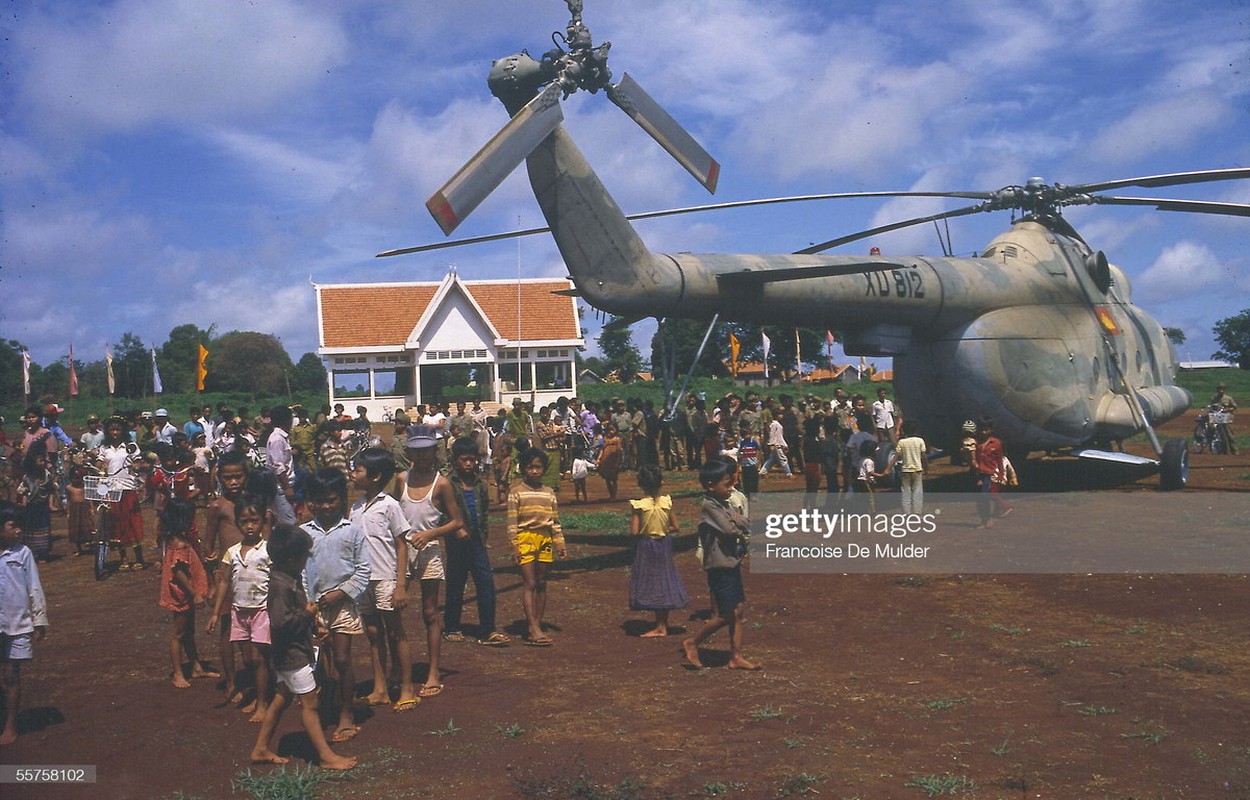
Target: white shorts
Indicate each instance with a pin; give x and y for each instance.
(380, 596)
(299, 681)
(17, 647)
(426, 563)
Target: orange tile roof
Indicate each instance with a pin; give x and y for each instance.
(381, 315)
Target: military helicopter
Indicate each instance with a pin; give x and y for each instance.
(1039, 332)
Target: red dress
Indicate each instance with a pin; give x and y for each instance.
(179, 556)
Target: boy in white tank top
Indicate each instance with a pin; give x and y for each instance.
(429, 505)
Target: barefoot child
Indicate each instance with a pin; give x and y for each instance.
(534, 531)
(429, 505)
(23, 614)
(381, 522)
(722, 533)
(184, 585)
(337, 575)
(578, 472)
(654, 584)
(243, 588)
(220, 534)
(292, 619)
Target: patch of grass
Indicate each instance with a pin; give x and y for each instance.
(450, 730)
(1154, 737)
(1001, 750)
(718, 788)
(607, 523)
(912, 582)
(284, 783)
(1095, 711)
(801, 784)
(943, 703)
(934, 785)
(1075, 643)
(765, 712)
(1101, 619)
(791, 744)
(1010, 630)
(1137, 628)
(512, 731)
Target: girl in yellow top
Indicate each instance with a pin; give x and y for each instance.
(654, 584)
(534, 531)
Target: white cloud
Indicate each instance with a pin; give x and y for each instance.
(1183, 269)
(138, 62)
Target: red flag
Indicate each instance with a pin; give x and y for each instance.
(73, 373)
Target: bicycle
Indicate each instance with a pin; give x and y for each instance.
(100, 492)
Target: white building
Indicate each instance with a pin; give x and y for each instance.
(388, 346)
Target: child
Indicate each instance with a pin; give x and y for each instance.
(80, 527)
(385, 531)
(184, 585)
(337, 575)
(292, 620)
(654, 584)
(429, 505)
(121, 465)
(723, 535)
(466, 554)
(749, 461)
(220, 534)
(868, 475)
(610, 459)
(580, 469)
(243, 579)
(534, 531)
(35, 494)
(502, 465)
(23, 611)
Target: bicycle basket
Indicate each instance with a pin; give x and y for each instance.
(1221, 417)
(100, 489)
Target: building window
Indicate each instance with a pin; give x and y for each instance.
(351, 384)
(392, 382)
(553, 375)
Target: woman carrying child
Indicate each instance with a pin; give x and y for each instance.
(184, 585)
(35, 494)
(654, 584)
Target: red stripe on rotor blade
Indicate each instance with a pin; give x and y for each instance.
(443, 213)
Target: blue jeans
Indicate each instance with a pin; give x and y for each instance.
(467, 557)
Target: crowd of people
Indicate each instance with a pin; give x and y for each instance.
(285, 558)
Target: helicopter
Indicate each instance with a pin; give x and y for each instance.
(1038, 333)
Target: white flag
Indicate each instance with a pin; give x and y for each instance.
(767, 345)
(108, 363)
(25, 373)
(156, 375)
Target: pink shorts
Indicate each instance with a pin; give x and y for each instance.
(249, 625)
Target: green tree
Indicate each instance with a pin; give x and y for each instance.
(247, 361)
(132, 367)
(309, 374)
(619, 351)
(1175, 335)
(677, 340)
(180, 355)
(1232, 334)
(11, 371)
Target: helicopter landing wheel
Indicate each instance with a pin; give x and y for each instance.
(1174, 465)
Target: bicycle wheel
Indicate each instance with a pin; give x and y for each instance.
(101, 543)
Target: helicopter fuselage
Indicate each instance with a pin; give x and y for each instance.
(1039, 333)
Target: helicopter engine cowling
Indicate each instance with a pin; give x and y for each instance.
(1117, 419)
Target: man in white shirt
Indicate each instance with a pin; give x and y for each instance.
(883, 413)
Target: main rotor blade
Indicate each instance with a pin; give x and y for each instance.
(907, 223)
(669, 212)
(494, 162)
(755, 278)
(667, 131)
(1168, 179)
(1195, 206)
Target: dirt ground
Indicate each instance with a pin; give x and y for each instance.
(874, 686)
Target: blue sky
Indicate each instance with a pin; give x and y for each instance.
(175, 161)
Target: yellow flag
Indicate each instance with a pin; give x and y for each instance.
(201, 370)
(733, 355)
